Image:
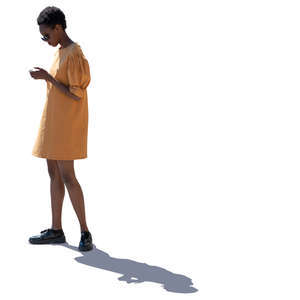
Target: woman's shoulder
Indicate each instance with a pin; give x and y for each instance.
(72, 49)
(75, 51)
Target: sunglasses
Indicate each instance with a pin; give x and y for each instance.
(45, 37)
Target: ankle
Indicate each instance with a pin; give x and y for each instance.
(56, 228)
(84, 228)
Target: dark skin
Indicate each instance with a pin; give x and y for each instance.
(54, 36)
(61, 172)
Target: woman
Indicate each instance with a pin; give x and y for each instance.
(62, 135)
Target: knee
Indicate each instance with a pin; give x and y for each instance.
(68, 178)
(53, 173)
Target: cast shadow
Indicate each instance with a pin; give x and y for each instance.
(133, 271)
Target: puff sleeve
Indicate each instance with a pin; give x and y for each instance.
(78, 74)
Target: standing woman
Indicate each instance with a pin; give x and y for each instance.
(63, 130)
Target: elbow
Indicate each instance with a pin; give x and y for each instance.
(77, 92)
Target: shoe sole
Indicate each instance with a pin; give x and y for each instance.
(85, 248)
(48, 241)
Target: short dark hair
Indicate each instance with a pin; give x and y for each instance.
(50, 16)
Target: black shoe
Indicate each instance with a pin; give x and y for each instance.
(48, 236)
(86, 242)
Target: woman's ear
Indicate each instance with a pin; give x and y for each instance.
(57, 27)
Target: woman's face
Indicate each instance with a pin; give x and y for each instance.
(49, 35)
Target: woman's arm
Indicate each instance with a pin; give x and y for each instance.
(62, 87)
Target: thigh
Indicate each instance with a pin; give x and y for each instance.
(53, 169)
(66, 169)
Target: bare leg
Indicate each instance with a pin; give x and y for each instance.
(57, 191)
(66, 168)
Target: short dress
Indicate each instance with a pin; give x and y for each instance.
(63, 129)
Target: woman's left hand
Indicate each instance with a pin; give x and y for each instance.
(40, 74)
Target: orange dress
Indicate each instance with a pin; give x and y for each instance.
(63, 129)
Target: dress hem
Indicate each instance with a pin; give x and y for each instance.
(40, 155)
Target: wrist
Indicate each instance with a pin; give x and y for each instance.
(50, 79)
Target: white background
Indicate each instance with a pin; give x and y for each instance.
(193, 162)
